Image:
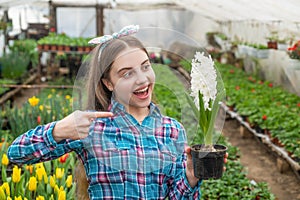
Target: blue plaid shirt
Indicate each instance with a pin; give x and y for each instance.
(123, 159)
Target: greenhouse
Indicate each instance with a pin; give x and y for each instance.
(161, 99)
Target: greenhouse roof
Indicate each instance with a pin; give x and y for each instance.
(12, 3)
(233, 10)
(221, 11)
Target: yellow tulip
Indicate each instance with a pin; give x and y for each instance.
(5, 160)
(9, 198)
(41, 107)
(2, 194)
(32, 183)
(69, 181)
(39, 165)
(49, 96)
(57, 189)
(16, 175)
(41, 172)
(59, 172)
(40, 198)
(62, 195)
(68, 97)
(52, 181)
(33, 101)
(6, 188)
(18, 198)
(29, 168)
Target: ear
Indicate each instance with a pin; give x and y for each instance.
(108, 84)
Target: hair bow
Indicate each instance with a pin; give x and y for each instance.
(127, 30)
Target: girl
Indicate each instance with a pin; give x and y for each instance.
(130, 152)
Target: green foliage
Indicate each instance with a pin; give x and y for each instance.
(266, 106)
(234, 183)
(5, 81)
(27, 48)
(14, 65)
(53, 105)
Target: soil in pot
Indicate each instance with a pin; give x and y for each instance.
(208, 165)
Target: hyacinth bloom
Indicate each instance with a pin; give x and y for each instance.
(203, 80)
(33, 101)
(206, 95)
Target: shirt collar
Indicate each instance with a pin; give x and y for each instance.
(116, 107)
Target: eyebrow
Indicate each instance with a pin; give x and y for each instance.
(128, 68)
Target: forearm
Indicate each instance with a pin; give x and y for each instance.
(34, 146)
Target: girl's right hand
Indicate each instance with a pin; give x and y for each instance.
(76, 125)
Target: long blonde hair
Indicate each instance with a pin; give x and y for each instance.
(98, 95)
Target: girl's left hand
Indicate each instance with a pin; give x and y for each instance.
(190, 169)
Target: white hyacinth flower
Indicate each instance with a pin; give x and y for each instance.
(203, 79)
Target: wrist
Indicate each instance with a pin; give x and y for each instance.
(56, 132)
(192, 180)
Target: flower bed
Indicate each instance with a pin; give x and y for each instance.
(48, 180)
(269, 109)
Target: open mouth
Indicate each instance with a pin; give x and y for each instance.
(142, 93)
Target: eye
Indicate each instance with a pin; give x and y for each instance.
(146, 67)
(127, 74)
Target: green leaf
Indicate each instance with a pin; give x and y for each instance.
(193, 106)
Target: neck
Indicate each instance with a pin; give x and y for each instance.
(139, 113)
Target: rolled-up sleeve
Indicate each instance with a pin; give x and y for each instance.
(38, 145)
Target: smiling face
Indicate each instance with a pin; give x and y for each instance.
(131, 79)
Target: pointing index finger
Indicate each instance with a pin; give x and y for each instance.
(102, 114)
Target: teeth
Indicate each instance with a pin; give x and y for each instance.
(143, 90)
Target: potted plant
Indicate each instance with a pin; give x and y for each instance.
(272, 40)
(207, 91)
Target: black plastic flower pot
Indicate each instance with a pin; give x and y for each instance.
(208, 165)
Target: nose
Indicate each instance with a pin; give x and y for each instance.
(141, 77)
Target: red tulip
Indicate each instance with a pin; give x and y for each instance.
(237, 87)
(264, 117)
(38, 119)
(63, 158)
(298, 105)
(270, 85)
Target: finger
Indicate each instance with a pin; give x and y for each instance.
(103, 114)
(188, 152)
(94, 115)
(225, 160)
